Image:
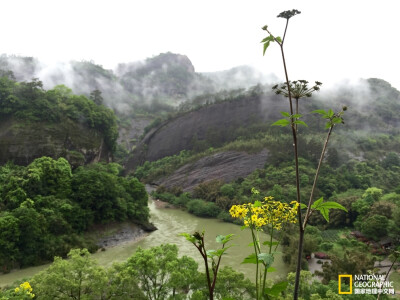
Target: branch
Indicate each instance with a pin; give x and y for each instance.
(310, 202)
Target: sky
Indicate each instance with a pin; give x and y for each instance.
(330, 41)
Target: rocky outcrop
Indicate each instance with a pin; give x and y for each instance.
(226, 166)
(22, 142)
(215, 124)
(130, 135)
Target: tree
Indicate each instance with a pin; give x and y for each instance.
(96, 97)
(32, 228)
(79, 277)
(160, 272)
(47, 176)
(121, 285)
(233, 285)
(352, 262)
(9, 237)
(391, 160)
(375, 227)
(372, 195)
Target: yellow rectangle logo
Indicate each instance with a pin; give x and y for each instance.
(340, 284)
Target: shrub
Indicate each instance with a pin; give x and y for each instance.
(201, 208)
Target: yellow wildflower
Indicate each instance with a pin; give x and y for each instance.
(270, 212)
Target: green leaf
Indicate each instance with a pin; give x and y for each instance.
(333, 205)
(281, 122)
(218, 253)
(317, 203)
(330, 113)
(337, 120)
(300, 122)
(265, 40)
(189, 237)
(211, 253)
(271, 269)
(325, 213)
(266, 45)
(267, 258)
(320, 111)
(285, 114)
(251, 259)
(257, 204)
(269, 38)
(324, 207)
(302, 206)
(278, 38)
(219, 239)
(328, 125)
(270, 244)
(223, 239)
(221, 251)
(276, 289)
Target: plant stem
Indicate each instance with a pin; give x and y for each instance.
(255, 252)
(296, 157)
(310, 202)
(270, 251)
(216, 271)
(299, 259)
(387, 274)
(203, 253)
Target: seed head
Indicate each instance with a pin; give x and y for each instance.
(287, 14)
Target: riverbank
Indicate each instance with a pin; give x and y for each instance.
(170, 223)
(114, 234)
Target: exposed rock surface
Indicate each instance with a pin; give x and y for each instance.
(226, 166)
(124, 233)
(130, 136)
(23, 142)
(215, 122)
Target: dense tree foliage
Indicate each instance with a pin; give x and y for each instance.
(45, 207)
(29, 102)
(155, 273)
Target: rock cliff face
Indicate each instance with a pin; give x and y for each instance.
(23, 142)
(226, 166)
(215, 122)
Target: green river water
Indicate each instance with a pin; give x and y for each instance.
(171, 222)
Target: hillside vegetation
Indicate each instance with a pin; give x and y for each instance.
(37, 122)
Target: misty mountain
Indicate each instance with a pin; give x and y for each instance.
(372, 107)
(167, 75)
(157, 83)
(23, 68)
(239, 77)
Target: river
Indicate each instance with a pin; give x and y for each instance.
(170, 222)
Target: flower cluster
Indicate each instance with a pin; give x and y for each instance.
(266, 212)
(298, 89)
(287, 14)
(24, 289)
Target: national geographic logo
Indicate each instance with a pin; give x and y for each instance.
(365, 284)
(348, 280)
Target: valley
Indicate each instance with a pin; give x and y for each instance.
(78, 157)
